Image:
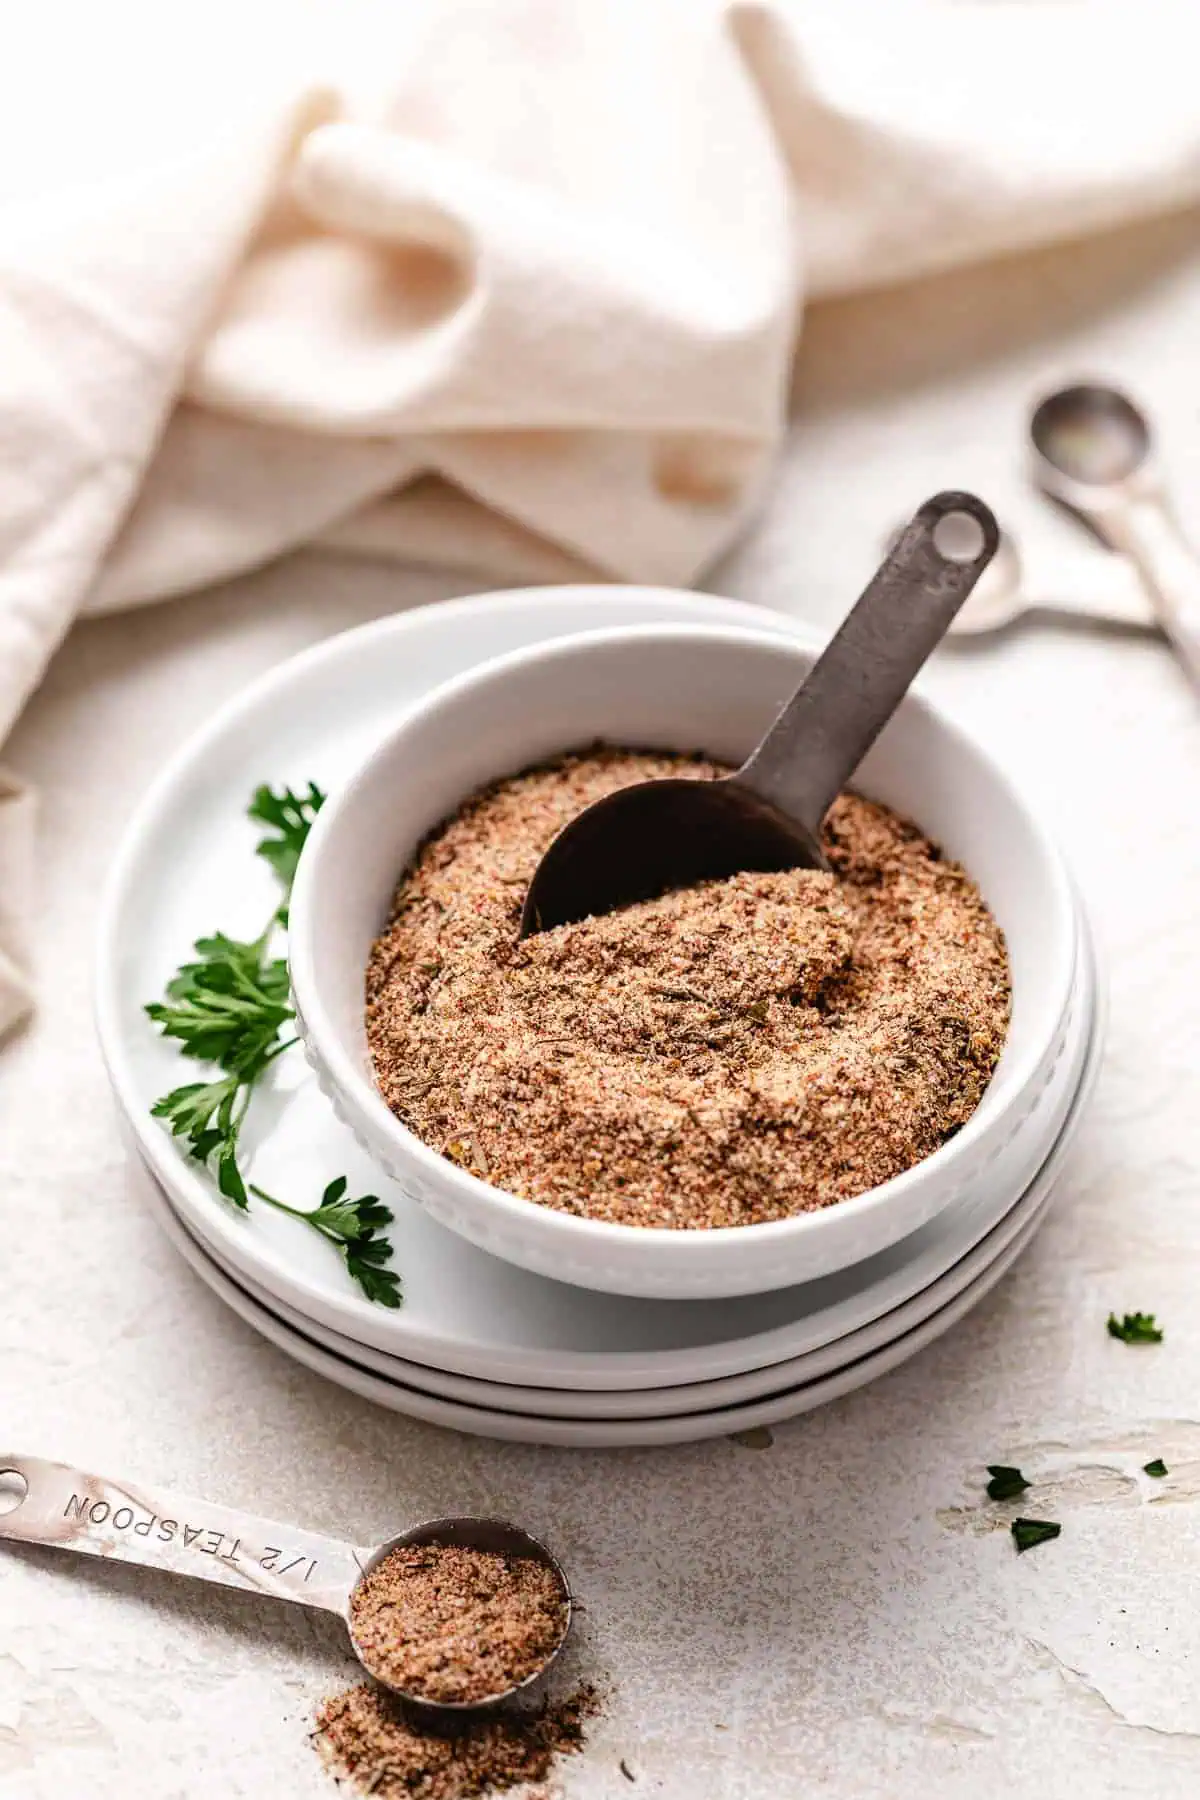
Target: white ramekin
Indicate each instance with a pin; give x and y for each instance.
(696, 688)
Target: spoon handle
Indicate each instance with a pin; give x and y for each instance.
(1146, 530)
(1110, 594)
(853, 689)
(67, 1509)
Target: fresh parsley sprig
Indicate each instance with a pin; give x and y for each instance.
(229, 1007)
(353, 1226)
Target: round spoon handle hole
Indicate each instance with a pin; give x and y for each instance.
(959, 537)
(14, 1490)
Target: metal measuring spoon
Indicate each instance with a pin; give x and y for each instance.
(659, 835)
(1094, 453)
(999, 598)
(66, 1509)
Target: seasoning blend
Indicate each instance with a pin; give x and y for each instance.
(457, 1626)
(727, 1054)
(365, 1737)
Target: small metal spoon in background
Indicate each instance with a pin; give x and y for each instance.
(66, 1509)
(1093, 452)
(1000, 598)
(659, 835)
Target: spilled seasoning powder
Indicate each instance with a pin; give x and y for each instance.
(730, 1053)
(456, 1625)
(364, 1736)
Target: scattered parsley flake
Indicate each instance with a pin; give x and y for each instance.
(230, 1007)
(1028, 1532)
(1135, 1328)
(1006, 1483)
(1157, 1468)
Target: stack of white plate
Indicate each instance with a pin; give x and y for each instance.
(478, 1344)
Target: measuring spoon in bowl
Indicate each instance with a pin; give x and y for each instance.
(1094, 453)
(53, 1504)
(659, 835)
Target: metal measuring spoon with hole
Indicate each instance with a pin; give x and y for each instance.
(63, 1508)
(1000, 597)
(1094, 453)
(659, 835)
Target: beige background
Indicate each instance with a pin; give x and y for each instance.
(829, 1616)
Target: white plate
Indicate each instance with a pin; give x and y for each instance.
(589, 1434)
(187, 866)
(731, 1390)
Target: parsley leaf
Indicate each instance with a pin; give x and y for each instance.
(364, 1260)
(1157, 1468)
(1135, 1328)
(1028, 1532)
(353, 1226)
(290, 817)
(205, 1114)
(230, 1008)
(1006, 1483)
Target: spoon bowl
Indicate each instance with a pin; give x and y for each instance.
(657, 835)
(496, 1536)
(1090, 434)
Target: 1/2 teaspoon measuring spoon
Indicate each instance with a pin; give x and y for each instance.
(660, 835)
(66, 1509)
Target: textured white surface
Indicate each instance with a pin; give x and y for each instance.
(835, 1615)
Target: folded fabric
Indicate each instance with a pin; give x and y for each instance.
(528, 306)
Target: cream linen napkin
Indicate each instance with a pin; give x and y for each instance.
(529, 306)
